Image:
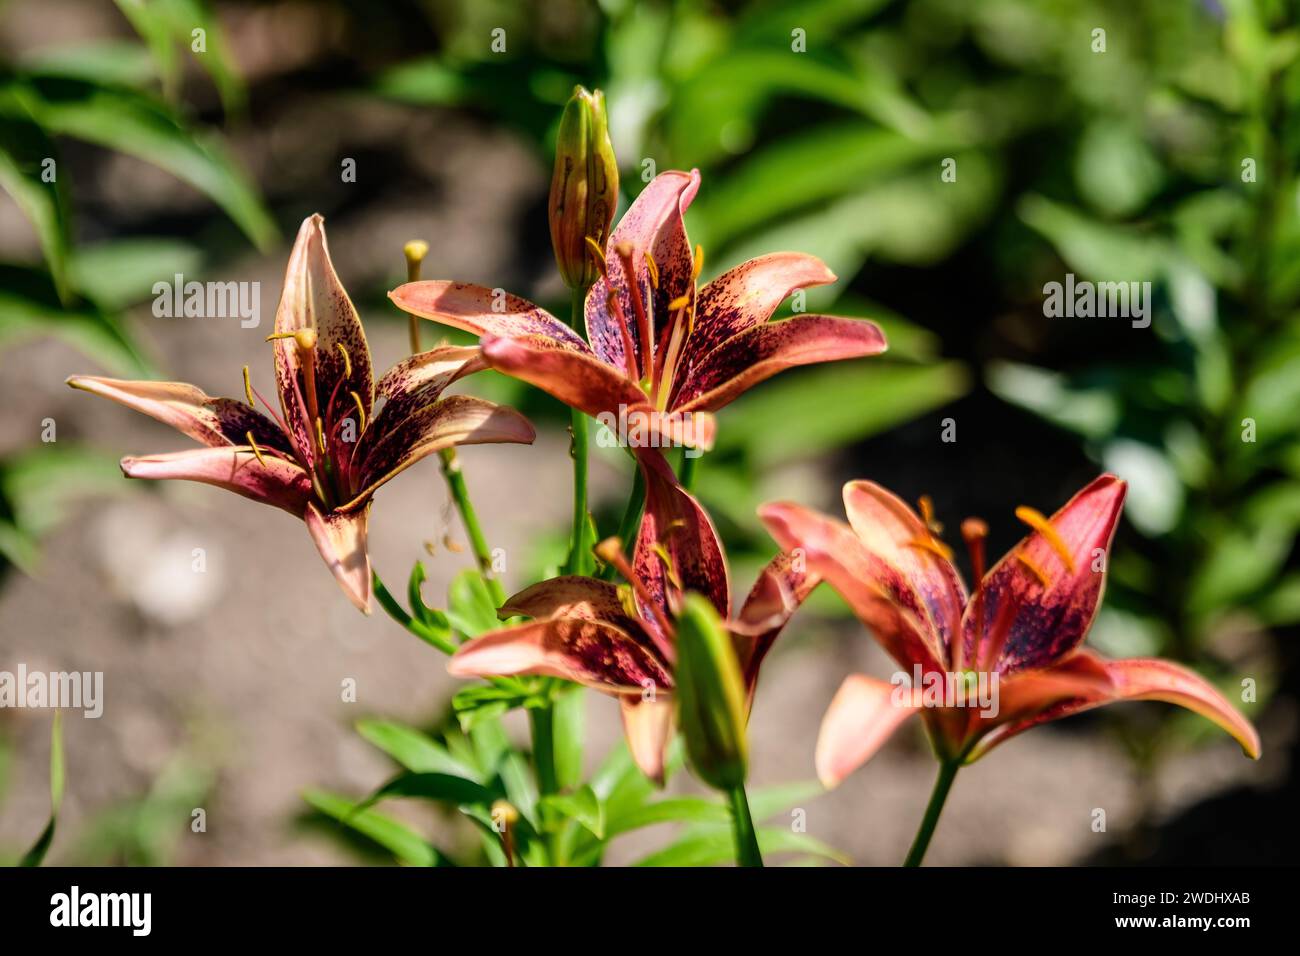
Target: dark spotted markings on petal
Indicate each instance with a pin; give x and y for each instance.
(746, 359)
(213, 421)
(483, 311)
(314, 298)
(675, 527)
(775, 596)
(1052, 621)
(747, 295)
(592, 653)
(652, 224)
(420, 380)
(270, 480)
(454, 420)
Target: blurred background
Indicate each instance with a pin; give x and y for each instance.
(946, 159)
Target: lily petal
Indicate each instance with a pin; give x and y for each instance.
(861, 717)
(420, 380)
(648, 726)
(879, 594)
(216, 422)
(570, 595)
(1052, 620)
(578, 379)
(341, 539)
(744, 360)
(652, 224)
(781, 587)
(454, 420)
(314, 298)
(591, 653)
(484, 311)
(893, 532)
(677, 549)
(747, 295)
(1131, 679)
(270, 480)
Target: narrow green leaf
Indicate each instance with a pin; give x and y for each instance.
(36, 854)
(29, 172)
(414, 750)
(405, 844)
(583, 806)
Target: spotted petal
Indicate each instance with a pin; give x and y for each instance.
(213, 421)
(781, 587)
(591, 653)
(578, 379)
(653, 224)
(1052, 619)
(270, 480)
(862, 716)
(314, 298)
(455, 420)
(880, 595)
(484, 311)
(744, 360)
(895, 534)
(747, 295)
(1100, 681)
(420, 380)
(677, 549)
(341, 539)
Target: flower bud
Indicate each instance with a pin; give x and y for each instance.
(584, 187)
(710, 696)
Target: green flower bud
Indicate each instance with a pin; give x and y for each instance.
(584, 187)
(710, 696)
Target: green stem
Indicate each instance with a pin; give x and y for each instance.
(580, 559)
(469, 517)
(398, 614)
(690, 464)
(541, 721)
(631, 523)
(747, 852)
(579, 546)
(947, 773)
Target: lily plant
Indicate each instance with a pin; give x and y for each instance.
(1021, 633)
(621, 640)
(337, 436)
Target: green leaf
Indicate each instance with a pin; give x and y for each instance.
(442, 787)
(36, 854)
(835, 405)
(166, 25)
(29, 172)
(716, 846)
(409, 847)
(671, 810)
(570, 711)
(414, 750)
(480, 702)
(430, 617)
(470, 607)
(122, 272)
(129, 122)
(30, 306)
(583, 806)
(767, 802)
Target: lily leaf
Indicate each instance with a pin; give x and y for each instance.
(470, 607)
(36, 854)
(583, 806)
(414, 750)
(442, 787)
(405, 844)
(29, 173)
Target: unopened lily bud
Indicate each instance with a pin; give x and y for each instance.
(584, 187)
(710, 696)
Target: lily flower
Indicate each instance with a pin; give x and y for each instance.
(621, 640)
(1024, 625)
(662, 351)
(323, 455)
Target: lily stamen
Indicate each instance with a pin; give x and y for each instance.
(624, 252)
(1039, 523)
(1028, 563)
(598, 254)
(932, 545)
(611, 552)
(256, 451)
(361, 412)
(973, 532)
(629, 350)
(347, 360)
(248, 389)
(653, 268)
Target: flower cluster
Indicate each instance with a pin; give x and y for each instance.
(647, 338)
